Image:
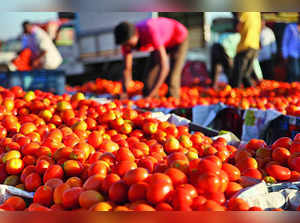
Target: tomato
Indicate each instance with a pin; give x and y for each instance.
(109, 180)
(121, 168)
(54, 183)
(254, 173)
(163, 207)
(255, 209)
(14, 166)
(72, 168)
(181, 199)
(198, 202)
(233, 172)
(172, 145)
(89, 198)
(74, 182)
(217, 197)
(37, 207)
(17, 203)
(42, 166)
(27, 170)
(136, 175)
(137, 192)
(284, 142)
(177, 176)
(70, 197)
(208, 166)
(237, 204)
(43, 196)
(210, 205)
(93, 182)
(209, 183)
(118, 192)
(102, 206)
(54, 171)
(295, 147)
(255, 144)
(247, 163)
(124, 154)
(160, 188)
(58, 193)
(95, 139)
(32, 181)
(281, 155)
(278, 172)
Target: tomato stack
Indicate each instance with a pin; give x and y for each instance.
(281, 96)
(77, 154)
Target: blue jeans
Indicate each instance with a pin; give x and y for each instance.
(293, 69)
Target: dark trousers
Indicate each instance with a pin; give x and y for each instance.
(293, 69)
(220, 58)
(243, 67)
(267, 67)
(177, 56)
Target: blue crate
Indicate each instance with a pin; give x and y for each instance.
(3, 80)
(46, 80)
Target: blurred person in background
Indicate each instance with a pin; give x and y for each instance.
(222, 57)
(168, 41)
(249, 26)
(38, 51)
(291, 50)
(267, 51)
(46, 55)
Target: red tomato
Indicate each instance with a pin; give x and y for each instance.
(118, 192)
(278, 172)
(54, 171)
(136, 175)
(181, 199)
(177, 176)
(233, 172)
(137, 192)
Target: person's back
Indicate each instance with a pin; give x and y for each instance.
(52, 59)
(267, 51)
(250, 30)
(291, 50)
(268, 44)
(291, 41)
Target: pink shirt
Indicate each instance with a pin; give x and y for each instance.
(157, 32)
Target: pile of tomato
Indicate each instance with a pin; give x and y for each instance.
(76, 154)
(103, 86)
(281, 96)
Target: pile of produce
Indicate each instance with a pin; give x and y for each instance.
(281, 96)
(103, 86)
(76, 154)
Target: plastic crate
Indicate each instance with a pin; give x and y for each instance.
(3, 80)
(46, 80)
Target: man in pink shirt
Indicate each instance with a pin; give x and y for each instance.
(167, 40)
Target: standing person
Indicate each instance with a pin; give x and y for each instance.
(222, 54)
(222, 57)
(249, 26)
(267, 51)
(48, 56)
(168, 41)
(291, 50)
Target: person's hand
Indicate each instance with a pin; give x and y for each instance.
(36, 64)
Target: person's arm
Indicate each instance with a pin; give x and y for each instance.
(285, 42)
(36, 63)
(165, 68)
(127, 73)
